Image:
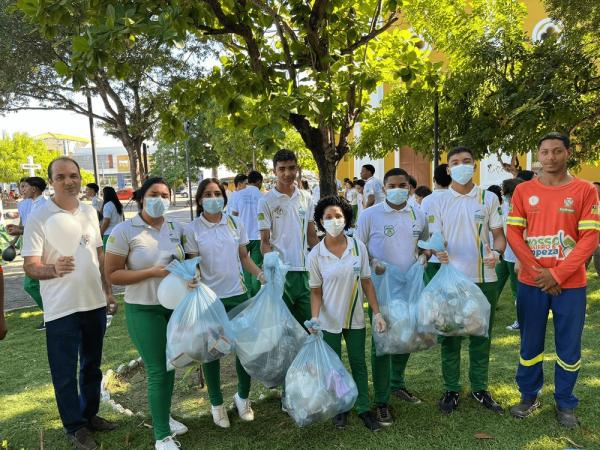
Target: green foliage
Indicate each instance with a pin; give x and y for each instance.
(86, 177)
(14, 152)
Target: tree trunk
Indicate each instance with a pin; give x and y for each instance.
(325, 159)
(136, 164)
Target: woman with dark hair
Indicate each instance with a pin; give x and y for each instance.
(112, 213)
(339, 273)
(220, 240)
(137, 252)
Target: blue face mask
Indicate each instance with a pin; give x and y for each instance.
(213, 205)
(462, 174)
(156, 206)
(396, 196)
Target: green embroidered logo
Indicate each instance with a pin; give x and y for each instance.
(388, 230)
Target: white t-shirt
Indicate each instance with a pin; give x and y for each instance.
(245, 203)
(24, 208)
(509, 255)
(144, 246)
(391, 235)
(465, 221)
(373, 186)
(359, 203)
(425, 208)
(339, 278)
(316, 194)
(351, 196)
(81, 290)
(412, 201)
(218, 245)
(97, 203)
(230, 201)
(109, 211)
(288, 220)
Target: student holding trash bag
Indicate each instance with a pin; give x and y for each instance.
(465, 215)
(137, 252)
(339, 272)
(220, 240)
(390, 230)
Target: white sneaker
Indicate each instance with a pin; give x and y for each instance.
(177, 428)
(167, 443)
(219, 414)
(513, 326)
(244, 408)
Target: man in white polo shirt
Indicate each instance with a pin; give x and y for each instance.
(465, 215)
(245, 206)
(75, 297)
(286, 224)
(373, 190)
(390, 230)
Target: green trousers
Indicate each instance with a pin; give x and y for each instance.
(355, 346)
(147, 326)
(212, 370)
(251, 282)
(32, 287)
(479, 347)
(387, 372)
(506, 271)
(104, 241)
(296, 295)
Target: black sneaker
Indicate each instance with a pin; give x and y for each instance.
(41, 327)
(97, 423)
(449, 402)
(341, 420)
(525, 408)
(566, 417)
(384, 415)
(82, 440)
(370, 421)
(486, 400)
(403, 394)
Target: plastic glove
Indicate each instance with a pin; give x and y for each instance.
(379, 322)
(378, 266)
(313, 325)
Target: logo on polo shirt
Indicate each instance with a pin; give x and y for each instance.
(85, 240)
(389, 230)
(568, 206)
(278, 212)
(534, 200)
(261, 216)
(568, 202)
(557, 245)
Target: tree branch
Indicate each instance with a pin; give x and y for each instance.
(370, 36)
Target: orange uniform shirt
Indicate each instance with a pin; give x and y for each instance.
(555, 227)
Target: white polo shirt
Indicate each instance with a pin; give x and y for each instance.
(373, 186)
(287, 218)
(97, 203)
(465, 221)
(509, 255)
(80, 290)
(218, 245)
(109, 211)
(245, 203)
(144, 246)
(24, 208)
(391, 235)
(339, 278)
(425, 207)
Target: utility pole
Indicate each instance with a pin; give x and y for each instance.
(436, 133)
(187, 127)
(92, 138)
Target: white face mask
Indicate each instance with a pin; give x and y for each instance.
(334, 226)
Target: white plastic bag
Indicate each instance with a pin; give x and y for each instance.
(398, 296)
(199, 329)
(268, 337)
(317, 385)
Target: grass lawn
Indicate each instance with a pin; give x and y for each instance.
(28, 411)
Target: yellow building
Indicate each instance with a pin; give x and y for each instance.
(62, 143)
(537, 25)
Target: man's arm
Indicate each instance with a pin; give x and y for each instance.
(111, 303)
(34, 268)
(3, 329)
(311, 235)
(265, 242)
(516, 227)
(370, 200)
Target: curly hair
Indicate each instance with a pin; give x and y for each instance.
(333, 200)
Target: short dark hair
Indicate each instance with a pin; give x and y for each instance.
(412, 181)
(202, 187)
(370, 168)
(496, 190)
(509, 185)
(225, 183)
(333, 200)
(22, 180)
(555, 135)
(396, 171)
(360, 183)
(422, 191)
(93, 186)
(597, 183)
(441, 177)
(254, 177)
(284, 155)
(66, 159)
(457, 150)
(37, 182)
(139, 195)
(526, 175)
(240, 178)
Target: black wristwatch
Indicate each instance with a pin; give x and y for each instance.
(500, 254)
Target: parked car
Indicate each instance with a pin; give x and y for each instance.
(125, 194)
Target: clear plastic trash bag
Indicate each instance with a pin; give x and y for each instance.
(317, 385)
(398, 297)
(199, 329)
(268, 337)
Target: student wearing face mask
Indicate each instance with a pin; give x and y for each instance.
(220, 240)
(390, 230)
(137, 252)
(339, 273)
(466, 214)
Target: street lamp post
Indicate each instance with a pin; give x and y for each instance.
(187, 164)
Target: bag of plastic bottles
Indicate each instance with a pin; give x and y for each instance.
(199, 329)
(317, 385)
(398, 296)
(268, 337)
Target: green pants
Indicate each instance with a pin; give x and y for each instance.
(355, 346)
(296, 295)
(251, 282)
(104, 240)
(504, 271)
(32, 287)
(147, 326)
(430, 271)
(212, 370)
